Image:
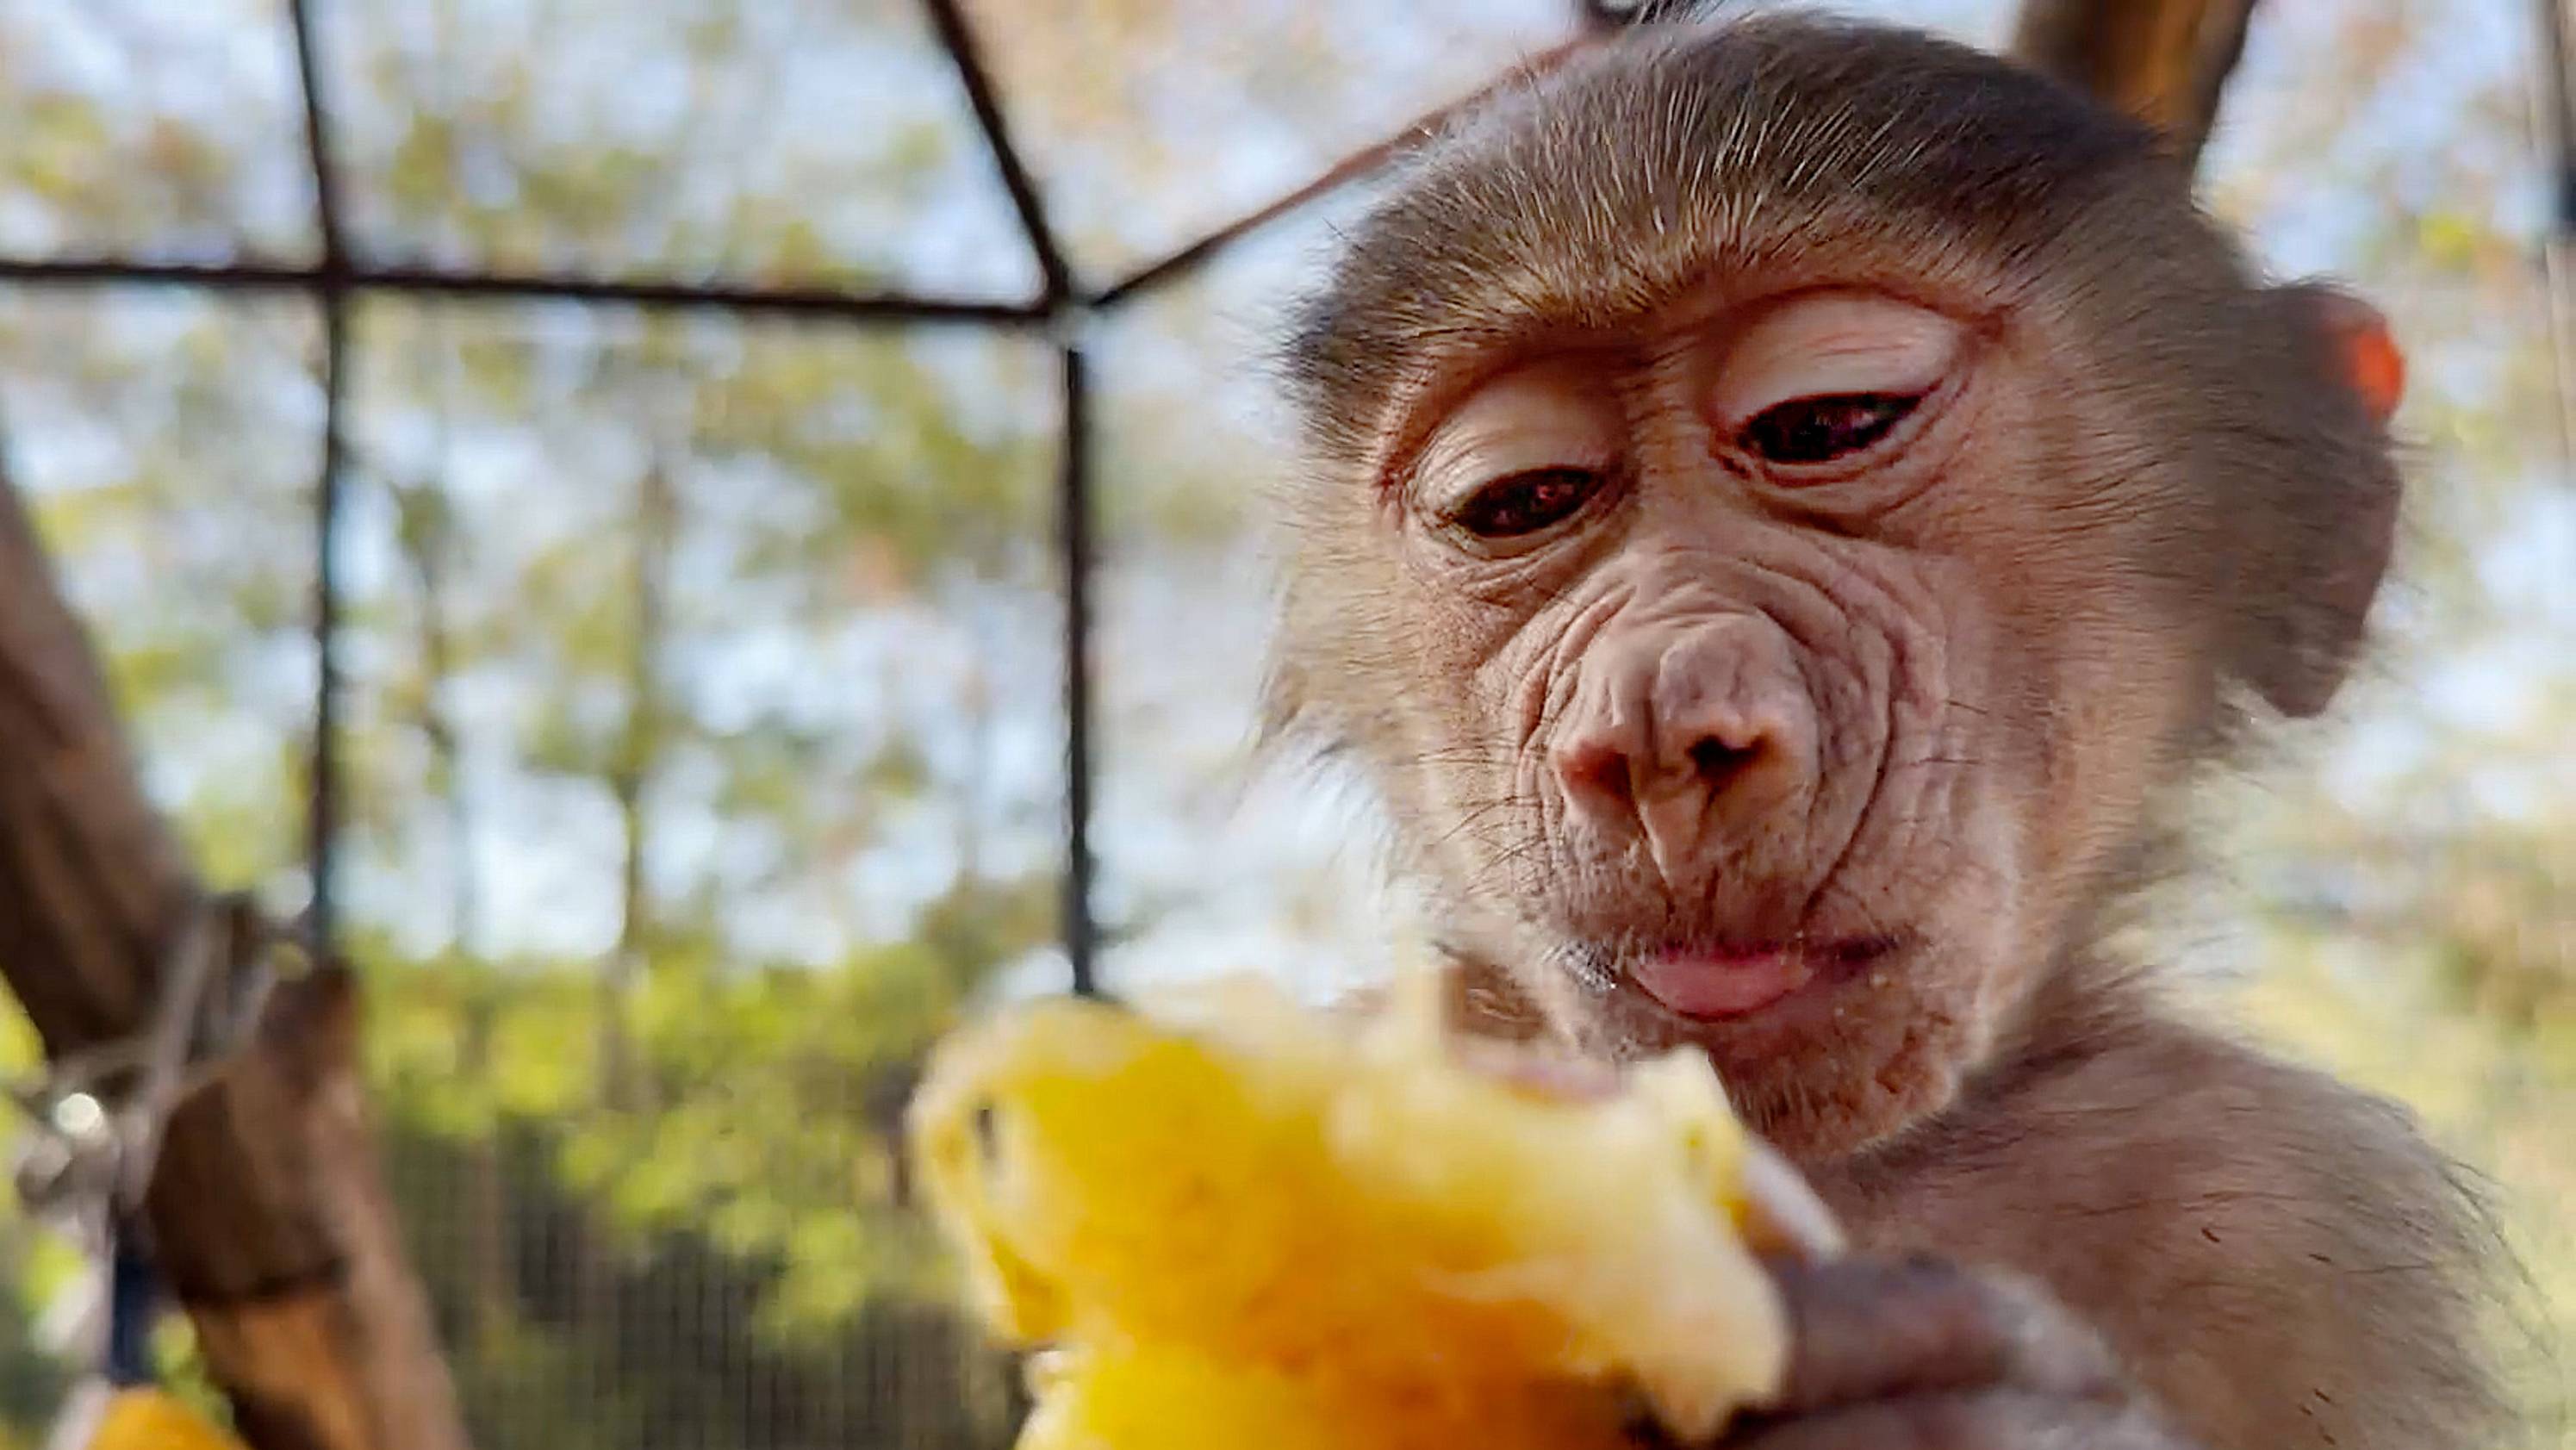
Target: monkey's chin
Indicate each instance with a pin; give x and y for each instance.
(1867, 1038)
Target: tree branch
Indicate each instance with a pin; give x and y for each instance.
(2163, 61)
(267, 1214)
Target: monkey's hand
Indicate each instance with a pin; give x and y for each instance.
(1920, 1354)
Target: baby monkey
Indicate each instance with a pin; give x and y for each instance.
(1788, 506)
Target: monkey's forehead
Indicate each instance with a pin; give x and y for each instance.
(1675, 155)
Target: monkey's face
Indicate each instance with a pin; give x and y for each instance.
(1787, 497)
(1749, 737)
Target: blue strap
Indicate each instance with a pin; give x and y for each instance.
(133, 1303)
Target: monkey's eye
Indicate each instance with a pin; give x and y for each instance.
(1819, 430)
(1524, 503)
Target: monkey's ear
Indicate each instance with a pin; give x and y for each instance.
(2343, 526)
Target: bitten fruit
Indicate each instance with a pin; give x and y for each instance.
(1245, 1223)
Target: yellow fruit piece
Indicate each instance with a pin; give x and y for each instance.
(1248, 1224)
(148, 1419)
(1134, 1397)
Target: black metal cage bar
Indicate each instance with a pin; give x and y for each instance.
(1063, 305)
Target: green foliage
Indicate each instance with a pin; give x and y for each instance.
(759, 1182)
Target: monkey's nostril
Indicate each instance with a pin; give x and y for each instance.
(1718, 762)
(1596, 773)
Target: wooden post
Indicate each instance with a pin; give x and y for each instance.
(2163, 61)
(267, 1213)
(2557, 59)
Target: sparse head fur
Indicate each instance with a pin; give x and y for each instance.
(2163, 499)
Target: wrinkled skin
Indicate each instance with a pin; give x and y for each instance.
(1777, 567)
(1730, 704)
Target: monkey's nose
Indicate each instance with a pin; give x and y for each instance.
(1602, 777)
(1675, 742)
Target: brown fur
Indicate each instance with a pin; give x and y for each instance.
(1969, 693)
(2281, 1260)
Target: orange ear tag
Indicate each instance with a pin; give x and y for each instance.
(2373, 362)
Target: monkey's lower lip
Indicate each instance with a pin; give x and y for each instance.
(1713, 983)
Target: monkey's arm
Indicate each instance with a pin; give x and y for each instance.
(1923, 1354)
(2273, 1259)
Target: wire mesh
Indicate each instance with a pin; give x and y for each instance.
(573, 1320)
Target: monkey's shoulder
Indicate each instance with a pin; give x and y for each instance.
(2287, 1260)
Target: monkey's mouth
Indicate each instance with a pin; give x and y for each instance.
(1721, 981)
